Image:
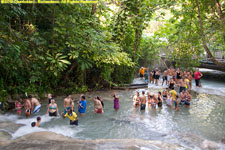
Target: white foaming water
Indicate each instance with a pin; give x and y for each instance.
(65, 130)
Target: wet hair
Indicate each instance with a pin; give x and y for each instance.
(68, 94)
(172, 88)
(160, 93)
(33, 124)
(38, 118)
(143, 92)
(29, 96)
(177, 96)
(98, 98)
(25, 97)
(83, 97)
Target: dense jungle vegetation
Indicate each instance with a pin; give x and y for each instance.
(73, 47)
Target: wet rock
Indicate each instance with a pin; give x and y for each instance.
(53, 141)
(5, 135)
(9, 126)
(209, 145)
(223, 140)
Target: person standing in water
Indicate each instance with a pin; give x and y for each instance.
(72, 116)
(159, 100)
(116, 102)
(98, 108)
(157, 75)
(52, 109)
(38, 122)
(198, 76)
(143, 100)
(27, 106)
(146, 76)
(101, 100)
(82, 104)
(165, 77)
(188, 100)
(190, 78)
(67, 103)
(136, 100)
(49, 98)
(18, 107)
(35, 104)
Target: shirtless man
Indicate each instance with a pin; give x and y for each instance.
(136, 100)
(143, 100)
(170, 73)
(35, 104)
(182, 84)
(154, 101)
(182, 97)
(190, 78)
(98, 106)
(188, 99)
(27, 107)
(157, 75)
(165, 73)
(67, 103)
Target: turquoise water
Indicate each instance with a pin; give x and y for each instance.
(204, 120)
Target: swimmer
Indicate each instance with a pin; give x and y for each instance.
(38, 122)
(52, 109)
(18, 107)
(136, 100)
(67, 103)
(72, 116)
(143, 100)
(35, 105)
(98, 108)
(159, 100)
(27, 106)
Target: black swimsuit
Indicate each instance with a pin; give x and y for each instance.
(159, 103)
(171, 85)
(178, 75)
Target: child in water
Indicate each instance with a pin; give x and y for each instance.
(36, 124)
(18, 107)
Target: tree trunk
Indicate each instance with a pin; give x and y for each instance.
(219, 11)
(203, 39)
(53, 23)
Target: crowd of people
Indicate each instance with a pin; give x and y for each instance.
(172, 78)
(32, 106)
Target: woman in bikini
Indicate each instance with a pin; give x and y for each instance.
(136, 100)
(52, 109)
(18, 107)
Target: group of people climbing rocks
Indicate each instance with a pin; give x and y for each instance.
(172, 78)
(32, 106)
